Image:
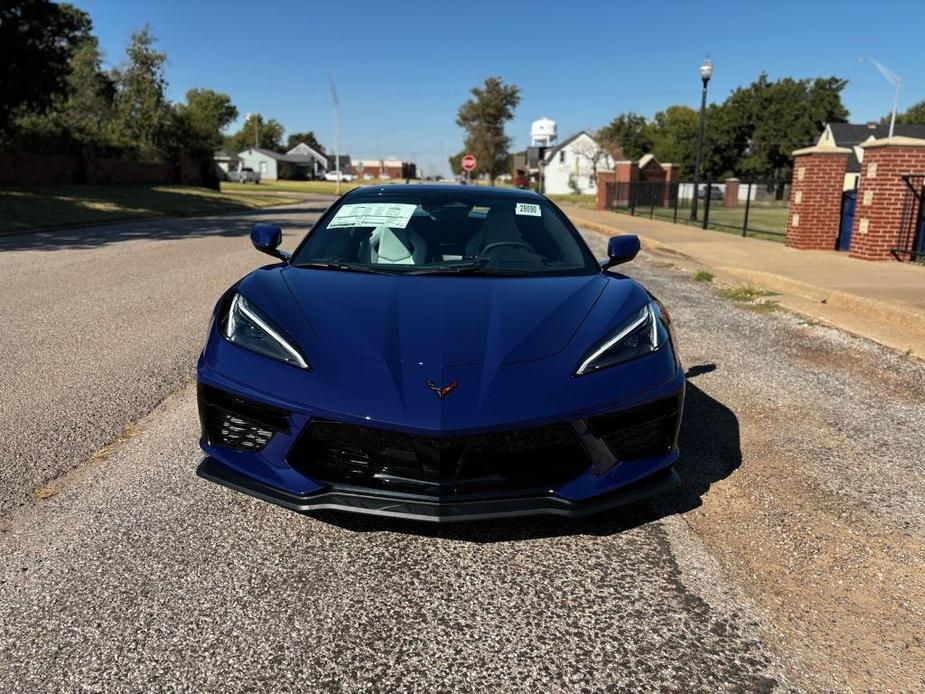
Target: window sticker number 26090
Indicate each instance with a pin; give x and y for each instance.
(527, 209)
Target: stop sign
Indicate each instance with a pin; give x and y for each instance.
(468, 162)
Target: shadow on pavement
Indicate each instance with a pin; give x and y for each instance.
(710, 452)
(237, 223)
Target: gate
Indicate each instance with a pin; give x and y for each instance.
(911, 240)
(848, 201)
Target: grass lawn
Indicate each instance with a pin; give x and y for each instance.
(318, 187)
(575, 199)
(765, 221)
(45, 207)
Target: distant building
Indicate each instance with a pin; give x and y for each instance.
(853, 135)
(385, 169)
(300, 162)
(572, 165)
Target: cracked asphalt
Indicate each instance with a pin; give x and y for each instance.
(133, 574)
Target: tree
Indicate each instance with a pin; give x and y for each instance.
(256, 132)
(914, 114)
(37, 39)
(142, 111)
(307, 137)
(80, 118)
(483, 117)
(771, 119)
(627, 136)
(673, 135)
(200, 121)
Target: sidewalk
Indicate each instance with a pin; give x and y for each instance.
(883, 301)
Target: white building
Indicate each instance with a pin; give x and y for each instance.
(572, 166)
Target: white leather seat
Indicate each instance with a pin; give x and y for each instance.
(396, 247)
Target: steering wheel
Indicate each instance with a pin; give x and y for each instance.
(498, 244)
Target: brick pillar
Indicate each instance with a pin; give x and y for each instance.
(878, 213)
(672, 174)
(625, 172)
(602, 201)
(815, 197)
(731, 196)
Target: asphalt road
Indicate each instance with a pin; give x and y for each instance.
(136, 575)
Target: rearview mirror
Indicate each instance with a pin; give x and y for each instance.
(621, 249)
(267, 238)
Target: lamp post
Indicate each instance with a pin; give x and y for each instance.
(706, 71)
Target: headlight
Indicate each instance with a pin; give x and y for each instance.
(644, 333)
(247, 327)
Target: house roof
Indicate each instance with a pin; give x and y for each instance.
(562, 145)
(299, 159)
(849, 134)
(307, 151)
(854, 134)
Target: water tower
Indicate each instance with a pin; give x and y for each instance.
(543, 133)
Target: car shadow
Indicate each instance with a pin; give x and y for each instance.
(710, 452)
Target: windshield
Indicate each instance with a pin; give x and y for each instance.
(445, 232)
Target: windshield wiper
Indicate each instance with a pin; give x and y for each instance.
(331, 265)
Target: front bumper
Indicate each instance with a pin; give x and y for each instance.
(370, 503)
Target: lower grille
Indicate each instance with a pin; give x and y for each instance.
(641, 432)
(526, 459)
(236, 422)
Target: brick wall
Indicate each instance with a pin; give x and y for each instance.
(815, 197)
(878, 214)
(731, 193)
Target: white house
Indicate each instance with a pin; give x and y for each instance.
(299, 162)
(572, 165)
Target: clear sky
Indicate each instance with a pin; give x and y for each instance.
(402, 68)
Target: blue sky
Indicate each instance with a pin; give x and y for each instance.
(403, 68)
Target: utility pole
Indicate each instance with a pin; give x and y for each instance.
(336, 105)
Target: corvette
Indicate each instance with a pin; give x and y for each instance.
(442, 353)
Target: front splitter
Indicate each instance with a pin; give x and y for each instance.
(371, 503)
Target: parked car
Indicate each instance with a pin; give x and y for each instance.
(716, 192)
(441, 353)
(244, 175)
(334, 175)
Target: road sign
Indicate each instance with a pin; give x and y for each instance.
(468, 162)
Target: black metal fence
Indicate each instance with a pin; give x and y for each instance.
(751, 208)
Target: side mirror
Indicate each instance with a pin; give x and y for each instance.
(621, 249)
(267, 238)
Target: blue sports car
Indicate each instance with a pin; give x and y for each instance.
(443, 353)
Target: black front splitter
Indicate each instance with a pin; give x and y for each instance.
(371, 503)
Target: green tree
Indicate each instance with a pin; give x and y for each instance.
(674, 137)
(768, 120)
(628, 135)
(306, 137)
(80, 118)
(199, 122)
(483, 117)
(914, 114)
(38, 39)
(142, 110)
(256, 131)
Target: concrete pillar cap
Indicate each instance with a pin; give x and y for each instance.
(821, 149)
(895, 141)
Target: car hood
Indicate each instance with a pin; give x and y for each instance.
(440, 320)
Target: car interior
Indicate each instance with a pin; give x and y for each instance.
(449, 234)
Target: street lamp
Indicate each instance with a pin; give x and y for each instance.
(706, 72)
